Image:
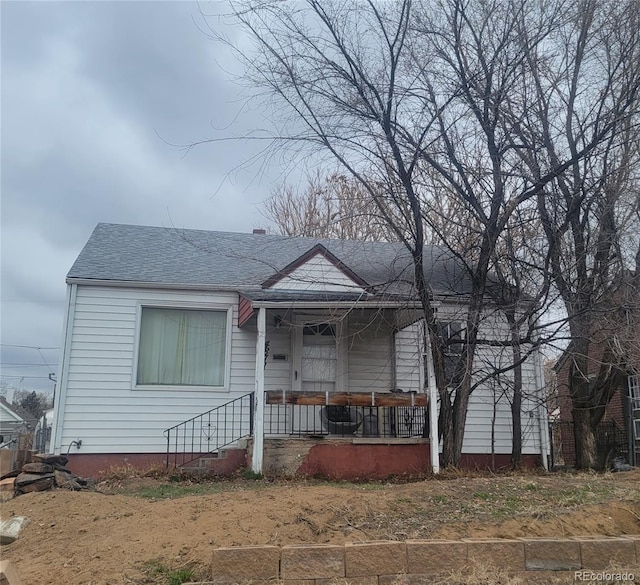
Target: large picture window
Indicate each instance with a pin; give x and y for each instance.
(182, 347)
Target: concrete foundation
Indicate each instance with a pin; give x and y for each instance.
(345, 458)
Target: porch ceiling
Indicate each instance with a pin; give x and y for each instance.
(302, 296)
(250, 300)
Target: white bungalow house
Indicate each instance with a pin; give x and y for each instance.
(300, 356)
(14, 421)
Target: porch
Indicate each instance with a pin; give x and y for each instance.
(344, 435)
(304, 356)
(373, 352)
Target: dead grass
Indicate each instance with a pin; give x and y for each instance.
(111, 535)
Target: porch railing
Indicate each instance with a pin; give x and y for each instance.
(376, 414)
(210, 431)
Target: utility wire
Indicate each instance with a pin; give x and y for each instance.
(22, 364)
(28, 346)
(30, 377)
(42, 358)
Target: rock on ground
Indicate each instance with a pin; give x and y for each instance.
(8, 575)
(10, 529)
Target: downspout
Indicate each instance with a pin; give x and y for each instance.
(433, 406)
(58, 413)
(631, 432)
(543, 416)
(258, 426)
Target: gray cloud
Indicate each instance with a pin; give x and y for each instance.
(94, 96)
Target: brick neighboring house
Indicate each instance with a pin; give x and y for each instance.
(618, 432)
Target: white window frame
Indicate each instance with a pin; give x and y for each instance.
(634, 391)
(450, 324)
(192, 306)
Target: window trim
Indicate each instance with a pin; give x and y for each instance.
(188, 306)
(451, 350)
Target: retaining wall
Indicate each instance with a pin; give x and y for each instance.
(416, 562)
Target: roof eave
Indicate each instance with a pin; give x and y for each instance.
(145, 284)
(362, 304)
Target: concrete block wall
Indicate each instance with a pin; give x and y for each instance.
(413, 562)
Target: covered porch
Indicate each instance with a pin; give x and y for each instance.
(339, 391)
(344, 373)
(346, 435)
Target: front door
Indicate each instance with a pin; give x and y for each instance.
(317, 368)
(319, 358)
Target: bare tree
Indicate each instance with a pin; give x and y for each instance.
(586, 212)
(35, 403)
(330, 206)
(409, 97)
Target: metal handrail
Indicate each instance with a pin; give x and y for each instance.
(210, 431)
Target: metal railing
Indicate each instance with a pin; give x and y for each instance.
(346, 421)
(210, 431)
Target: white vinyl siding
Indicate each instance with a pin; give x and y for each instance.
(370, 352)
(477, 437)
(103, 406)
(277, 373)
(409, 359)
(487, 397)
(318, 274)
(497, 395)
(109, 414)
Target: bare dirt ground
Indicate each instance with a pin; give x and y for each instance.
(122, 532)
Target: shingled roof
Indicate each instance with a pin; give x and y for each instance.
(195, 258)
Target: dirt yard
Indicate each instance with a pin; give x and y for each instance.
(136, 530)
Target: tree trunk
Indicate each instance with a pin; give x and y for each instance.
(445, 422)
(585, 440)
(582, 400)
(516, 402)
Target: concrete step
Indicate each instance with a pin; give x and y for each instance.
(223, 462)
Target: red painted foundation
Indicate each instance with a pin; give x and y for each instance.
(366, 461)
(485, 461)
(357, 461)
(91, 465)
(338, 461)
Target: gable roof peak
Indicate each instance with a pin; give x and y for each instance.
(315, 250)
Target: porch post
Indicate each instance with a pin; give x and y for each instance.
(258, 427)
(433, 411)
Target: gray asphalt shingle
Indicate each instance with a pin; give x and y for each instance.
(168, 256)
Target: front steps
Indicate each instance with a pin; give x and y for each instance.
(224, 462)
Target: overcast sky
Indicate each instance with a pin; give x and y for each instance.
(94, 97)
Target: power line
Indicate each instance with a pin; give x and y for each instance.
(23, 364)
(25, 377)
(42, 358)
(33, 301)
(13, 365)
(27, 346)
